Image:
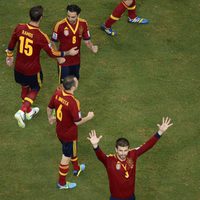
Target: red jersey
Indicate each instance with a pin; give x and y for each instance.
(30, 41)
(70, 35)
(121, 174)
(67, 113)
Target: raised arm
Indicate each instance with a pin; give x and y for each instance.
(164, 126)
(94, 140)
(152, 141)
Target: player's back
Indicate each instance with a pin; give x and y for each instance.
(30, 42)
(67, 113)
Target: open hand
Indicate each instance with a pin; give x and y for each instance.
(94, 48)
(61, 60)
(165, 125)
(9, 61)
(73, 51)
(52, 119)
(94, 139)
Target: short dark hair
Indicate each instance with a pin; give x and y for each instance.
(36, 13)
(122, 142)
(68, 82)
(74, 8)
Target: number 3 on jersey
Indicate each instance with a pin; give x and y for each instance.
(25, 46)
(59, 112)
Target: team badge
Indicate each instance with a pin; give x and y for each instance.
(118, 166)
(66, 32)
(80, 31)
(130, 163)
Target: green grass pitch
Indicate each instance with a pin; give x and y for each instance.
(143, 74)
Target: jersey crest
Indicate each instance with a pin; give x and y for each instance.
(118, 166)
(130, 162)
(80, 31)
(66, 31)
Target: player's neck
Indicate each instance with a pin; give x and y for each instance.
(120, 158)
(36, 24)
(72, 23)
(69, 91)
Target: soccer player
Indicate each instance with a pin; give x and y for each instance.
(27, 70)
(68, 117)
(124, 5)
(121, 167)
(69, 32)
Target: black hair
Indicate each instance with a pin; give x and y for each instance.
(122, 142)
(73, 8)
(68, 82)
(36, 13)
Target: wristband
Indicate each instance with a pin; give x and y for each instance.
(62, 54)
(9, 53)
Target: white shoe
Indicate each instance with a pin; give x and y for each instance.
(19, 116)
(32, 113)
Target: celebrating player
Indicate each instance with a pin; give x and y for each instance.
(69, 32)
(27, 70)
(121, 167)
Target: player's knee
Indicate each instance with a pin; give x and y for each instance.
(128, 2)
(65, 160)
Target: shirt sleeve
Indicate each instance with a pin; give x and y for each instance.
(101, 156)
(147, 145)
(51, 103)
(13, 40)
(55, 33)
(47, 46)
(75, 110)
(86, 32)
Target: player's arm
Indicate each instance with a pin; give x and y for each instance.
(87, 39)
(47, 46)
(51, 111)
(54, 40)
(50, 115)
(152, 141)
(91, 46)
(89, 116)
(11, 47)
(59, 59)
(94, 140)
(9, 58)
(76, 113)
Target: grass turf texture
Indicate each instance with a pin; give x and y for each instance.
(144, 73)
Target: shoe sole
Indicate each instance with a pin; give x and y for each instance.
(137, 23)
(65, 188)
(20, 122)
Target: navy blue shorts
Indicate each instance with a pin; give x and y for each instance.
(69, 149)
(131, 198)
(34, 81)
(67, 71)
